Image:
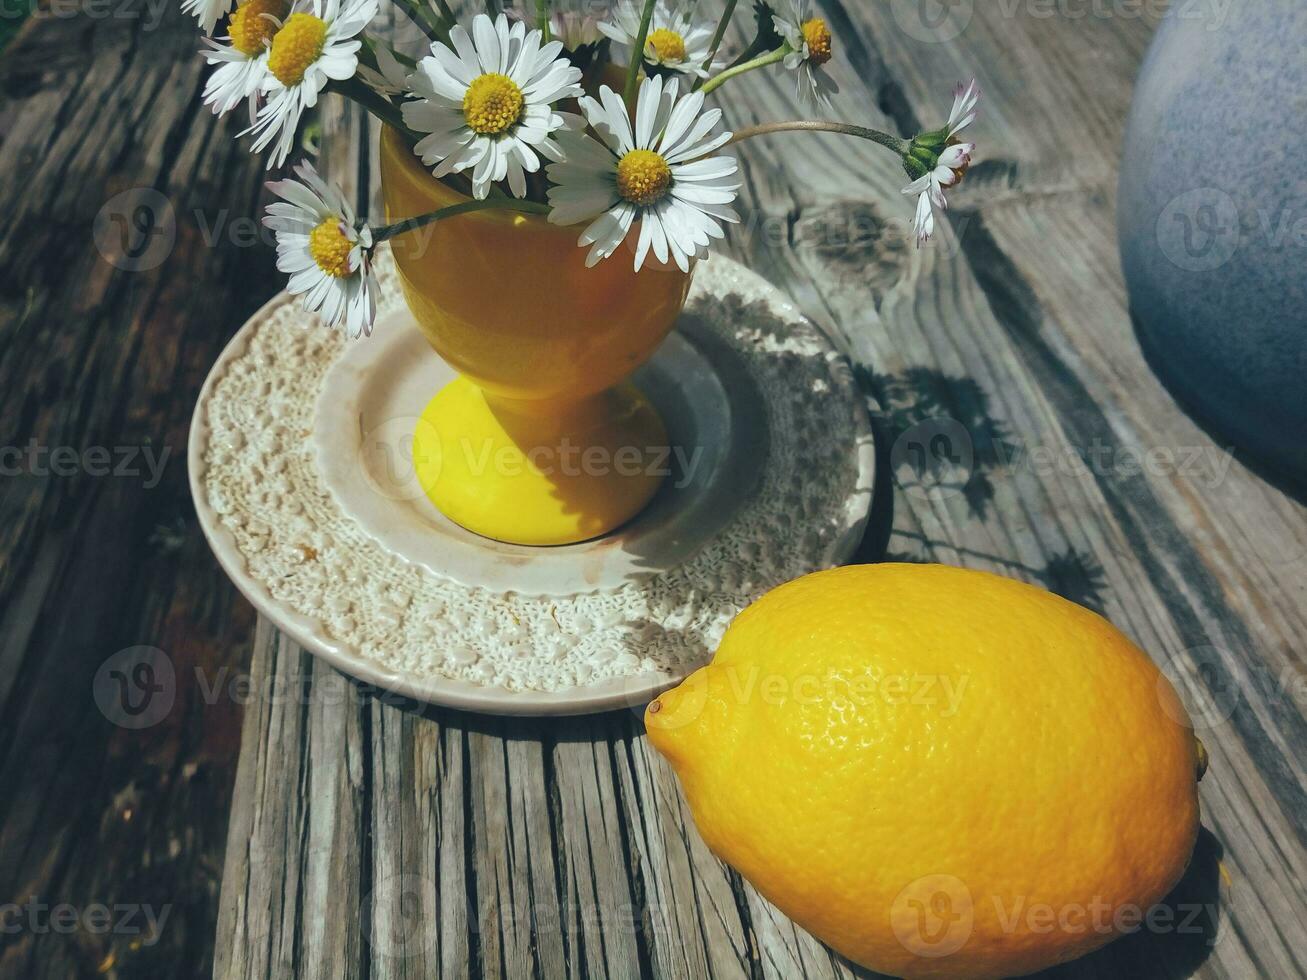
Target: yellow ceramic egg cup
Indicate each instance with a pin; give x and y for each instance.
(541, 441)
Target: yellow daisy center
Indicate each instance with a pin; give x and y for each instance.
(253, 24)
(296, 46)
(817, 34)
(643, 177)
(330, 248)
(668, 45)
(492, 104)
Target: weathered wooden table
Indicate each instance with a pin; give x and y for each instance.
(371, 838)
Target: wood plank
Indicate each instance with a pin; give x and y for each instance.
(98, 354)
(531, 847)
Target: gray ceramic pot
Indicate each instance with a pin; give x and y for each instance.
(1212, 214)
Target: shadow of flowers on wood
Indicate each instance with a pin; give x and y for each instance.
(941, 436)
(1072, 574)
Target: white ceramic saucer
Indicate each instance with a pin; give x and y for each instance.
(299, 463)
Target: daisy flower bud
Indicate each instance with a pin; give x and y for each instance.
(939, 159)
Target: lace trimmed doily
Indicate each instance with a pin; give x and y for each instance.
(308, 564)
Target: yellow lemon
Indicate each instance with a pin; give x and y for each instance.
(938, 772)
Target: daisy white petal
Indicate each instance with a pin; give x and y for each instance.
(924, 220)
(389, 78)
(326, 254)
(963, 113)
(631, 177)
(207, 12)
(957, 156)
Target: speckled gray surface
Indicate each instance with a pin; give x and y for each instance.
(1213, 219)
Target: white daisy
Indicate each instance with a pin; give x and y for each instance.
(574, 28)
(945, 162)
(317, 44)
(207, 12)
(657, 172)
(674, 40)
(243, 61)
(487, 105)
(809, 40)
(324, 250)
(389, 78)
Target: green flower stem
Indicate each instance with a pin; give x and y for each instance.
(447, 17)
(756, 47)
(368, 53)
(717, 37)
(637, 53)
(422, 16)
(467, 207)
(542, 20)
(821, 126)
(356, 91)
(770, 58)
